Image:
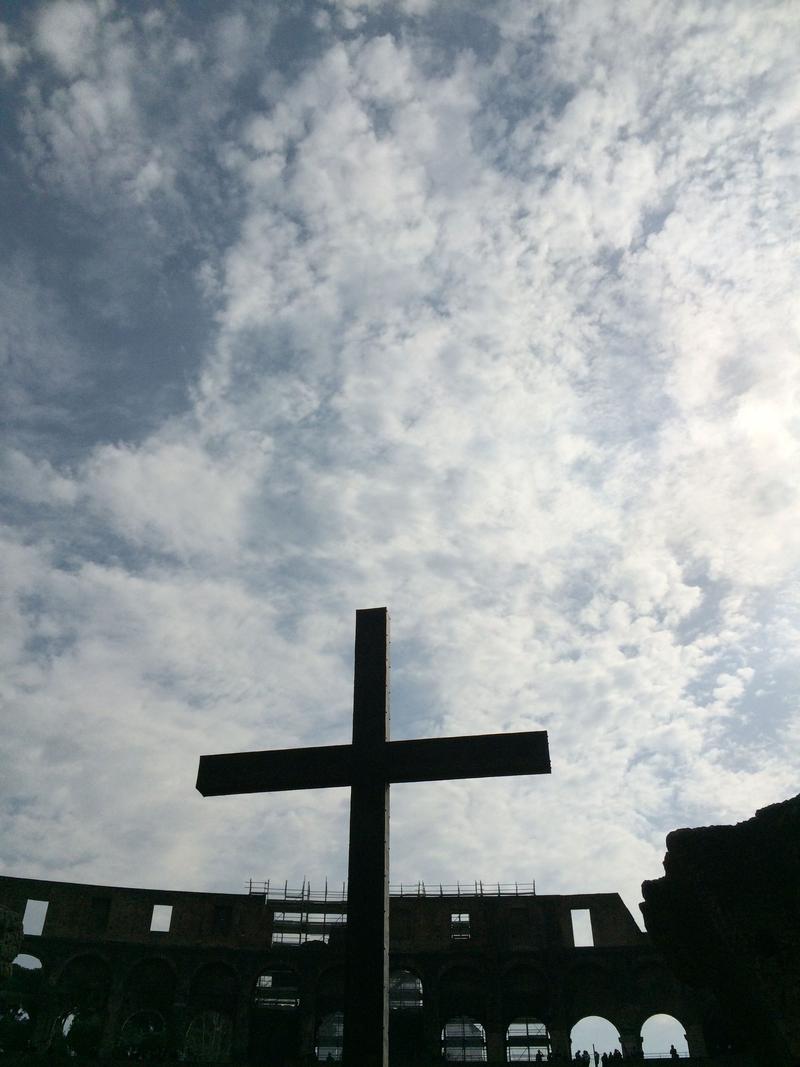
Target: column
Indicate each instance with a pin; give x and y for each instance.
(431, 1019)
(631, 1042)
(112, 1021)
(560, 1044)
(696, 1041)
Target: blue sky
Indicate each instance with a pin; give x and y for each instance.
(483, 312)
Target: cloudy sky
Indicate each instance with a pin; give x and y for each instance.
(486, 313)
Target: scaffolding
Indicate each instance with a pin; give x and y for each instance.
(268, 890)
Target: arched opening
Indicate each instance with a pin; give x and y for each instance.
(19, 1004)
(143, 1037)
(405, 991)
(524, 989)
(26, 962)
(24, 984)
(329, 1037)
(150, 984)
(663, 1033)
(77, 1033)
(462, 992)
(593, 1032)
(527, 1041)
(274, 1019)
(214, 989)
(406, 1033)
(463, 1041)
(82, 994)
(208, 1037)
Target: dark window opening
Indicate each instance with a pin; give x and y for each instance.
(459, 926)
(277, 990)
(99, 911)
(222, 919)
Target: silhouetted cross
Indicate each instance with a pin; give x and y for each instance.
(368, 766)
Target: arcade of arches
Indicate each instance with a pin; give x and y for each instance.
(216, 987)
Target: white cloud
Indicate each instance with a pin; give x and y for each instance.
(504, 340)
(65, 32)
(12, 53)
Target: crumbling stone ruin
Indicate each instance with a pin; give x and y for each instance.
(726, 915)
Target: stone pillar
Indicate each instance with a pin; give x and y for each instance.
(495, 1032)
(240, 1043)
(112, 1021)
(560, 1044)
(495, 1046)
(180, 1016)
(10, 941)
(431, 1020)
(631, 1042)
(696, 1040)
(308, 1018)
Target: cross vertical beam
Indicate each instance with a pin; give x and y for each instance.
(366, 1030)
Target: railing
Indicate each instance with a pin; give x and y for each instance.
(281, 891)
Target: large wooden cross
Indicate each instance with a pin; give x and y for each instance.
(368, 766)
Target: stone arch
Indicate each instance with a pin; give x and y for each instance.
(25, 982)
(20, 1004)
(594, 1030)
(525, 992)
(214, 988)
(462, 992)
(82, 989)
(150, 983)
(527, 1038)
(275, 1022)
(83, 969)
(592, 989)
(463, 1040)
(148, 994)
(653, 985)
(27, 962)
(660, 1031)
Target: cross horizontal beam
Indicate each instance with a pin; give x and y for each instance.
(426, 760)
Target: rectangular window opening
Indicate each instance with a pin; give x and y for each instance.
(222, 918)
(582, 928)
(459, 926)
(99, 911)
(161, 918)
(33, 919)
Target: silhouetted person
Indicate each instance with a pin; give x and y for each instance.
(673, 1053)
